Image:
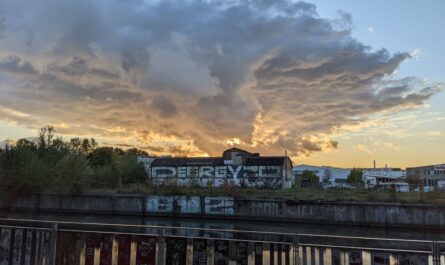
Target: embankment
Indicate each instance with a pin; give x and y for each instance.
(269, 210)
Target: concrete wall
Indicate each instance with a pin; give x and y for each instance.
(364, 214)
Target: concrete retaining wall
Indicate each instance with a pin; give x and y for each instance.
(363, 214)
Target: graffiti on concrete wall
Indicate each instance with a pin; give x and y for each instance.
(176, 251)
(199, 252)
(379, 258)
(190, 205)
(5, 237)
(173, 204)
(221, 252)
(244, 176)
(219, 205)
(413, 259)
(145, 250)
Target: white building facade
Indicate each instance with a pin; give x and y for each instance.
(329, 176)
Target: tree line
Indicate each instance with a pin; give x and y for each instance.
(50, 164)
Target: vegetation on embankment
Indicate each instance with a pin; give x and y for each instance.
(50, 164)
(296, 194)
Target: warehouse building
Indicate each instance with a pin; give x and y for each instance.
(328, 176)
(236, 167)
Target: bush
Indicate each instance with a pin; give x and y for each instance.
(71, 174)
(355, 178)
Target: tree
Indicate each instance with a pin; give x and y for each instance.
(45, 138)
(414, 183)
(327, 175)
(309, 179)
(34, 174)
(103, 156)
(130, 170)
(71, 174)
(355, 177)
(137, 152)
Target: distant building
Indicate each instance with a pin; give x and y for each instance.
(432, 176)
(236, 167)
(383, 176)
(330, 176)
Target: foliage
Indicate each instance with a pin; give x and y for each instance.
(414, 183)
(355, 177)
(309, 179)
(50, 164)
(130, 170)
(71, 174)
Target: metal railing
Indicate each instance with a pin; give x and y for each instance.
(297, 243)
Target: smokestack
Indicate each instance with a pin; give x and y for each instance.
(374, 164)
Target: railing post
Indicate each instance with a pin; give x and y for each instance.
(435, 249)
(53, 244)
(296, 249)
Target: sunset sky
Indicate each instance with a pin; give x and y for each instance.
(338, 84)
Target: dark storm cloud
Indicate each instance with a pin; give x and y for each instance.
(15, 65)
(164, 106)
(268, 74)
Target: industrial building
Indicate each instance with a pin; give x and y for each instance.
(235, 167)
(329, 176)
(432, 176)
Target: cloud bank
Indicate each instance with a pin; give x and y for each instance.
(189, 77)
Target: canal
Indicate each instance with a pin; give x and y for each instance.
(65, 239)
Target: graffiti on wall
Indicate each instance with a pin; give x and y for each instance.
(173, 204)
(219, 205)
(199, 252)
(221, 252)
(244, 176)
(176, 251)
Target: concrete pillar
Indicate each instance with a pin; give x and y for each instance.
(189, 252)
(366, 258)
(115, 250)
(327, 256)
(133, 250)
(344, 257)
(97, 255)
(232, 252)
(317, 260)
(393, 259)
(308, 256)
(210, 252)
(301, 256)
(266, 254)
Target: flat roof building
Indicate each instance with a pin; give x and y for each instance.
(432, 175)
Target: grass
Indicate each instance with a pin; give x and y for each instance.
(296, 194)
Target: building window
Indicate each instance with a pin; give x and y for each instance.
(163, 172)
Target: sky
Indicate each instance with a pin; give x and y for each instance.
(339, 83)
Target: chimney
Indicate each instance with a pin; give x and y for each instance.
(374, 164)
